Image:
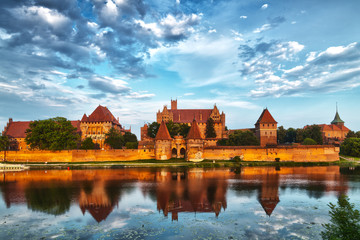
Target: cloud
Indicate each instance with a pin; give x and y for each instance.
(171, 27)
(243, 17)
(274, 22)
(189, 94)
(335, 69)
(109, 85)
(265, 6)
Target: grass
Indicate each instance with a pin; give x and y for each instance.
(174, 163)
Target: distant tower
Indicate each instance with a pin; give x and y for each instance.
(266, 129)
(174, 104)
(337, 120)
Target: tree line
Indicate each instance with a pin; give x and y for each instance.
(351, 145)
(181, 129)
(310, 135)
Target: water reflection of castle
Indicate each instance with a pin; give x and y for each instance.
(98, 192)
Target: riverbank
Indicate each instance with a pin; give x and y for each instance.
(176, 163)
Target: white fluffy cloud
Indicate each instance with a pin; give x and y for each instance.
(265, 6)
(335, 69)
(171, 27)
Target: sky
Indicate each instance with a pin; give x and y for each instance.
(296, 58)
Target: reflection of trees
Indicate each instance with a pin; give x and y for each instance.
(53, 199)
(115, 189)
(315, 190)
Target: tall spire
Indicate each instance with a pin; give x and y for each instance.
(337, 120)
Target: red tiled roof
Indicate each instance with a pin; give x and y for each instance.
(269, 205)
(265, 117)
(99, 213)
(332, 127)
(187, 115)
(163, 132)
(100, 114)
(194, 132)
(18, 129)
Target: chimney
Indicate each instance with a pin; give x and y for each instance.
(10, 120)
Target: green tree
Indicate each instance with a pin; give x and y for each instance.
(131, 145)
(309, 141)
(352, 134)
(314, 132)
(240, 138)
(153, 129)
(290, 135)
(4, 143)
(300, 135)
(130, 140)
(114, 139)
(184, 130)
(344, 223)
(88, 144)
(351, 147)
(52, 134)
(281, 135)
(173, 128)
(210, 130)
(130, 137)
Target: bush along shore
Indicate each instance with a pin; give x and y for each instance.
(180, 163)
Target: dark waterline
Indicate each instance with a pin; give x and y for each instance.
(238, 203)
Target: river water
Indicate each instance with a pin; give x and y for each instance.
(137, 203)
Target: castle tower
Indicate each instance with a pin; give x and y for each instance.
(174, 104)
(163, 143)
(337, 120)
(266, 129)
(194, 143)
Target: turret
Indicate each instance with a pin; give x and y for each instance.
(174, 104)
(163, 143)
(266, 129)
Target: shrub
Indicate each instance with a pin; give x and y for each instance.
(309, 141)
(344, 223)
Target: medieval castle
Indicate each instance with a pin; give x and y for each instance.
(195, 146)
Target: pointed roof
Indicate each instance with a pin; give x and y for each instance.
(163, 132)
(194, 132)
(337, 119)
(265, 117)
(269, 205)
(100, 114)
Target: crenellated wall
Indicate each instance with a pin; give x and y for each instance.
(79, 155)
(314, 153)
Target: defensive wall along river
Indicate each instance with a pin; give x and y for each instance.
(315, 153)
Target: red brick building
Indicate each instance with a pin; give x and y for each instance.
(266, 129)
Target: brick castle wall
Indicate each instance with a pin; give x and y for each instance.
(79, 155)
(315, 153)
